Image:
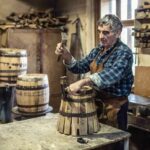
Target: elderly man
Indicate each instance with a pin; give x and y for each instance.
(110, 65)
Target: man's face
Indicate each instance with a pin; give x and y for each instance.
(106, 36)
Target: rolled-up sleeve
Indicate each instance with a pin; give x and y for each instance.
(83, 65)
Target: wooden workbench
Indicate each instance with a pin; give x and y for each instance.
(41, 134)
(134, 118)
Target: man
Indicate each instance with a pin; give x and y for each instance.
(110, 65)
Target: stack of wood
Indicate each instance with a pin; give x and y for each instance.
(35, 20)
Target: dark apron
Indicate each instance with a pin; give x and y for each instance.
(108, 105)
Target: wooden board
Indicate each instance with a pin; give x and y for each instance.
(144, 58)
(142, 81)
(41, 133)
(138, 100)
(26, 39)
(139, 122)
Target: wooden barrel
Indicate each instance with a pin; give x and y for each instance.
(32, 93)
(78, 114)
(13, 62)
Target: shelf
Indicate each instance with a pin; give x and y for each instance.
(139, 122)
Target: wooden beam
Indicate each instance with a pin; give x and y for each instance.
(128, 22)
(90, 28)
(118, 8)
(97, 5)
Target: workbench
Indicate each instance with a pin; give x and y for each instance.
(40, 133)
(134, 118)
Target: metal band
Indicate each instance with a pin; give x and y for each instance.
(7, 81)
(12, 76)
(68, 99)
(32, 87)
(79, 115)
(31, 106)
(9, 55)
(12, 71)
(33, 113)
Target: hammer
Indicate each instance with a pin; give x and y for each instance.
(64, 31)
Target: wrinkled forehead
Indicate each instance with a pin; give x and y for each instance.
(104, 27)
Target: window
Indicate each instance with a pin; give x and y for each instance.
(108, 7)
(128, 8)
(127, 38)
(125, 10)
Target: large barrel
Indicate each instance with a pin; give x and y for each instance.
(78, 114)
(32, 93)
(13, 62)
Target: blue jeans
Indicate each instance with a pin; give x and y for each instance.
(122, 117)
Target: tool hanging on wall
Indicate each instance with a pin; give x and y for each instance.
(76, 47)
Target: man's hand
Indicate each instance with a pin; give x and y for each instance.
(76, 86)
(63, 51)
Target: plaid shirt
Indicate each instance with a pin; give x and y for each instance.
(116, 77)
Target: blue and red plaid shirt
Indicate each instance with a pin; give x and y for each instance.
(116, 77)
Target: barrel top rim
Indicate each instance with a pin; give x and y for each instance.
(83, 91)
(12, 49)
(32, 76)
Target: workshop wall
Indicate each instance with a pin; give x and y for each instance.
(20, 6)
(79, 8)
(85, 11)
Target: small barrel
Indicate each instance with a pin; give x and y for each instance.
(32, 93)
(78, 114)
(13, 62)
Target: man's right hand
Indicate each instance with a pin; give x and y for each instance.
(64, 52)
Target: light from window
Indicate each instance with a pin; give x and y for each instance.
(108, 7)
(128, 39)
(128, 9)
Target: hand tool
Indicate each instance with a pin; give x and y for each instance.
(64, 32)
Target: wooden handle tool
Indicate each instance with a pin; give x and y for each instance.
(64, 31)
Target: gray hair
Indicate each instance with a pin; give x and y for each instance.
(113, 21)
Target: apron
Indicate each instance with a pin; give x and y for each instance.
(108, 105)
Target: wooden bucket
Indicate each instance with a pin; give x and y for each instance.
(78, 114)
(32, 93)
(13, 62)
